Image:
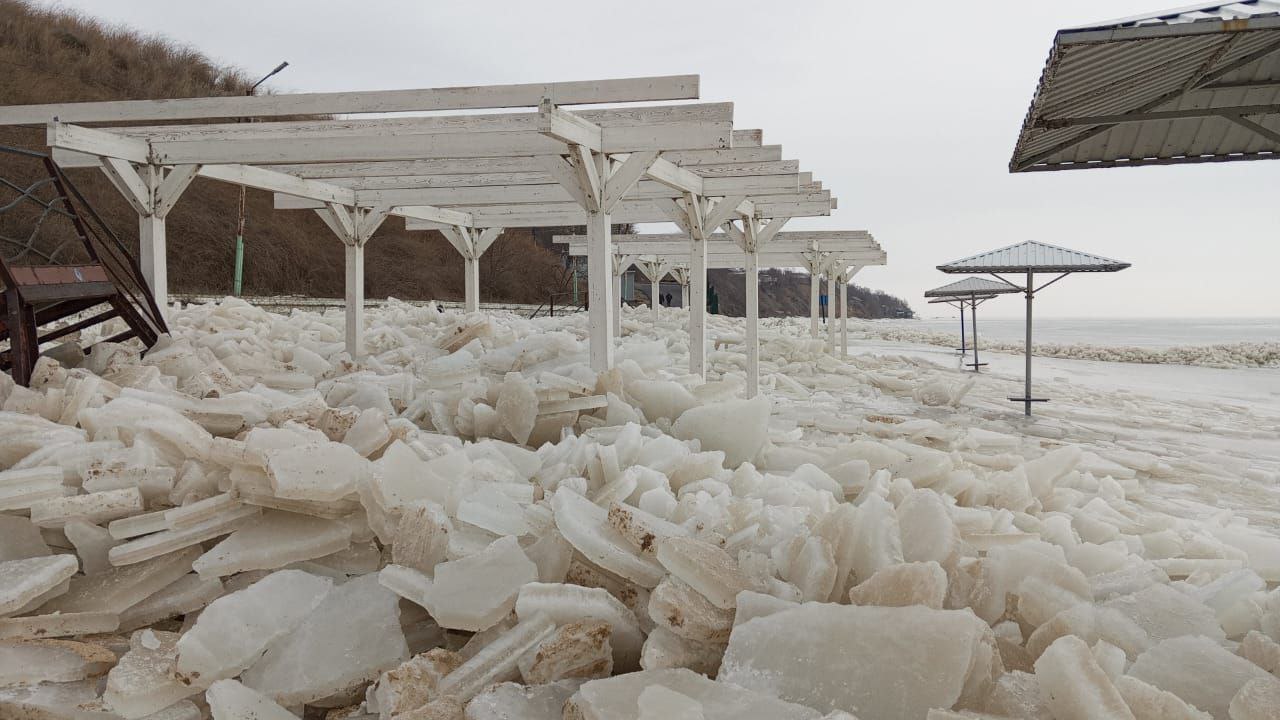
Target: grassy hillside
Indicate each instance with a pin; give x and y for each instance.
(56, 56)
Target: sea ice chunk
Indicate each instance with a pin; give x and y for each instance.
(36, 661)
(707, 569)
(579, 649)
(922, 583)
(618, 698)
(277, 539)
(474, 592)
(586, 526)
(1198, 670)
(229, 700)
(852, 658)
(1258, 699)
(738, 428)
(20, 538)
(564, 603)
(658, 703)
(1164, 613)
(349, 639)
(234, 630)
(142, 681)
(1148, 702)
(1074, 686)
(517, 407)
(22, 581)
(322, 472)
(496, 659)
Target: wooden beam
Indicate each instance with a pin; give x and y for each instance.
(172, 186)
(625, 176)
(129, 183)
(645, 89)
(97, 142)
(279, 182)
(569, 128)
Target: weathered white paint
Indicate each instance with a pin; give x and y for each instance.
(831, 318)
(471, 282)
(153, 257)
(355, 300)
(675, 87)
(601, 310)
(753, 323)
(815, 279)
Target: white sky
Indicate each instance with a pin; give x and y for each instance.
(908, 112)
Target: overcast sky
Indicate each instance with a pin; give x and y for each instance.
(908, 112)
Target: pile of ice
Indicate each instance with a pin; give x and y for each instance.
(245, 524)
(1222, 355)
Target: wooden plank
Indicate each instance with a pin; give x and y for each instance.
(318, 149)
(718, 115)
(172, 186)
(279, 182)
(442, 216)
(128, 183)
(628, 211)
(764, 185)
(96, 142)
(675, 177)
(569, 128)
(687, 158)
(644, 89)
(748, 138)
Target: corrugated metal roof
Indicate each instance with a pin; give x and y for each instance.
(972, 286)
(1200, 63)
(1032, 256)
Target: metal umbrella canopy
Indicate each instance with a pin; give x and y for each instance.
(1190, 85)
(972, 291)
(1032, 258)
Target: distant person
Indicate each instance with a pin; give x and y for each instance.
(713, 300)
(668, 303)
(822, 307)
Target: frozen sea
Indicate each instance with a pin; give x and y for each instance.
(1134, 332)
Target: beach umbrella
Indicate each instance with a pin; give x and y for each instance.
(971, 291)
(1032, 258)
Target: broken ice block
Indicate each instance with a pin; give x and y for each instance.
(1258, 699)
(1075, 687)
(643, 530)
(707, 569)
(837, 657)
(167, 541)
(422, 536)
(92, 544)
(813, 569)
(187, 594)
(496, 659)
(476, 591)
(413, 682)
(517, 407)
(1148, 702)
(229, 700)
(665, 649)
(58, 624)
(22, 581)
(322, 472)
(60, 661)
(579, 649)
(920, 583)
(96, 507)
(1198, 670)
(1164, 613)
(510, 701)
(276, 539)
(142, 682)
(688, 613)
(19, 539)
(658, 703)
(586, 526)
(739, 428)
(348, 640)
(564, 604)
(234, 630)
(618, 698)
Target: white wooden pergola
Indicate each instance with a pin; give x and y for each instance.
(467, 175)
(837, 254)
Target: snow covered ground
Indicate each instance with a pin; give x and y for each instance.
(470, 523)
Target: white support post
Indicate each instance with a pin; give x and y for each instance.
(844, 313)
(355, 299)
(655, 286)
(617, 301)
(698, 304)
(600, 290)
(152, 256)
(815, 281)
(831, 319)
(471, 280)
(753, 315)
(354, 227)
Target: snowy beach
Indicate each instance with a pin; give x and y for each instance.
(505, 534)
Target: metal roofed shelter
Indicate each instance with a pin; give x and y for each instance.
(972, 291)
(468, 176)
(840, 253)
(1032, 258)
(1191, 85)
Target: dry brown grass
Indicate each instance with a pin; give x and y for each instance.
(59, 56)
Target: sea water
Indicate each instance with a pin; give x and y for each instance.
(1129, 332)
